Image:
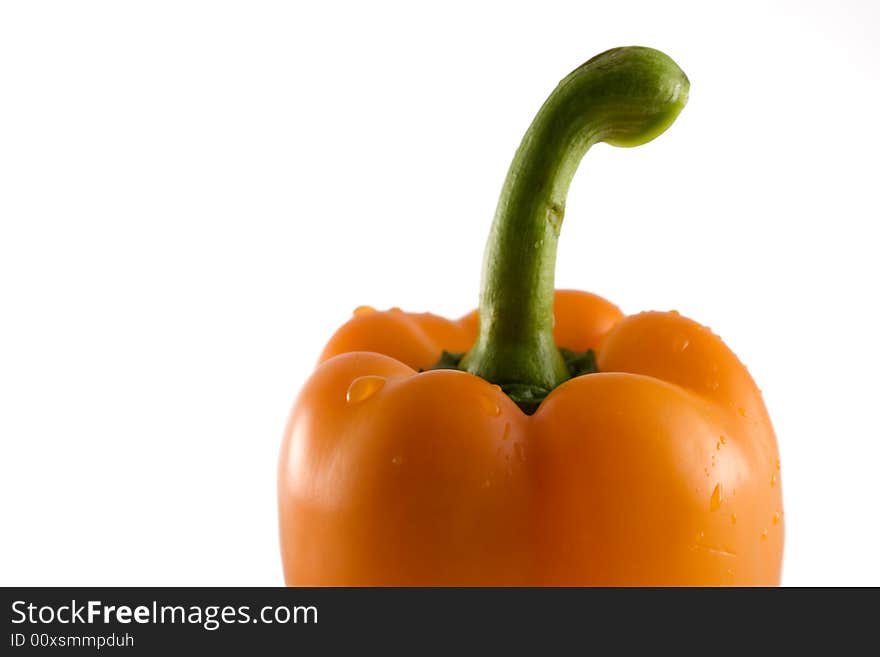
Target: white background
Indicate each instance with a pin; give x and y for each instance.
(194, 195)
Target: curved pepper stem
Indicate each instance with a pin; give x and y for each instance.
(624, 97)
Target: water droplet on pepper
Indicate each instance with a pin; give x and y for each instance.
(715, 500)
(363, 387)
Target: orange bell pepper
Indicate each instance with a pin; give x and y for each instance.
(427, 451)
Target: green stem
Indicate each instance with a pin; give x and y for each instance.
(624, 97)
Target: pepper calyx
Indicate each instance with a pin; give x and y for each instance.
(527, 395)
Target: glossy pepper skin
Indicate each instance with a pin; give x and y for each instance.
(661, 468)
